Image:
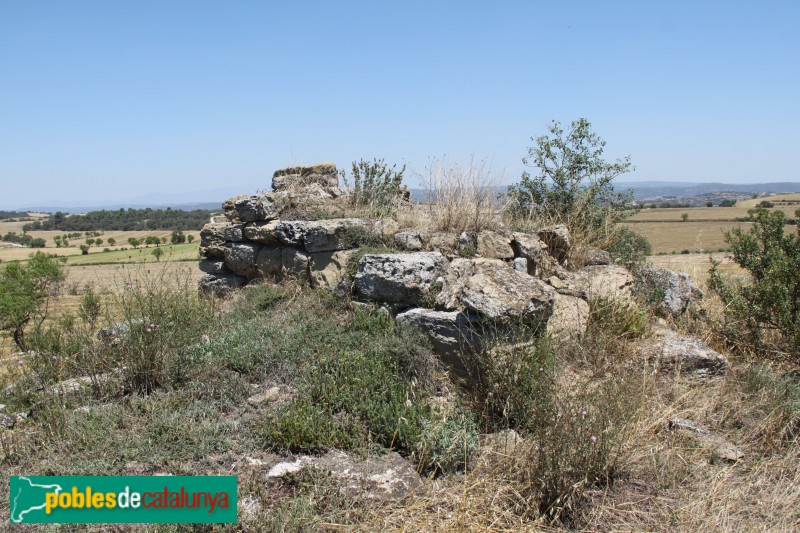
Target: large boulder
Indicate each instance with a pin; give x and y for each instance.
(591, 255)
(607, 282)
(403, 278)
(569, 319)
(251, 208)
(212, 240)
(496, 291)
(452, 333)
(295, 263)
(240, 258)
(672, 353)
(299, 178)
(220, 284)
(233, 232)
(673, 291)
(319, 235)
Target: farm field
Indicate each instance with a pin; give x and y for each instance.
(705, 227)
(108, 280)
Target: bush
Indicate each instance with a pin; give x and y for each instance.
(629, 246)
(375, 186)
(770, 302)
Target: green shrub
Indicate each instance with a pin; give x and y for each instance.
(629, 246)
(375, 185)
(446, 444)
(770, 302)
(619, 319)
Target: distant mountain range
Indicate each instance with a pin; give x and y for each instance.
(212, 199)
(647, 189)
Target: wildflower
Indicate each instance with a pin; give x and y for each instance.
(583, 413)
(593, 438)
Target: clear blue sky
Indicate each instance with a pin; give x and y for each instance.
(114, 99)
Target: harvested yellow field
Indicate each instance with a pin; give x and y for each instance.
(109, 280)
(674, 214)
(697, 236)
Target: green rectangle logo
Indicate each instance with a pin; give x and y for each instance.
(122, 499)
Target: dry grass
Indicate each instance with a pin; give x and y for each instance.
(462, 197)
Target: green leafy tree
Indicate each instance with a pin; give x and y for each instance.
(112, 241)
(177, 237)
(84, 249)
(157, 253)
(685, 216)
(24, 293)
(571, 182)
(771, 300)
(190, 238)
(133, 241)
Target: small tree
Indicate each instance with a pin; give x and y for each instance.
(177, 237)
(25, 291)
(157, 253)
(709, 204)
(84, 249)
(112, 241)
(685, 217)
(133, 241)
(98, 242)
(190, 238)
(572, 183)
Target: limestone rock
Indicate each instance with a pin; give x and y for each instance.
(261, 232)
(493, 245)
(328, 269)
(529, 247)
(295, 263)
(298, 178)
(402, 278)
(213, 266)
(452, 333)
(385, 227)
(593, 256)
(240, 258)
(721, 449)
(318, 235)
(670, 353)
(569, 319)
(504, 443)
(270, 261)
(608, 282)
(496, 291)
(233, 232)
(413, 241)
(386, 477)
(220, 284)
(557, 240)
(674, 290)
(330, 235)
(251, 208)
(521, 265)
(212, 240)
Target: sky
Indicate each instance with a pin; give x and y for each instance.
(115, 100)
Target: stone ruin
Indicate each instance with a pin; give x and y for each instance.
(454, 287)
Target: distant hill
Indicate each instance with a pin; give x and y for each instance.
(649, 189)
